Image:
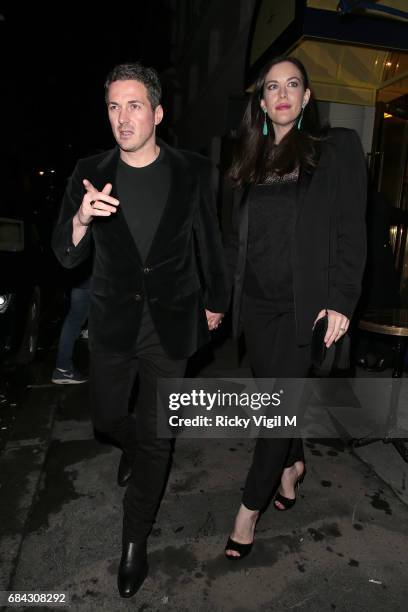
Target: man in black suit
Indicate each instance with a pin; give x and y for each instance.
(158, 284)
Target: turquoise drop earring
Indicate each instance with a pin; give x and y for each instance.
(299, 123)
(265, 125)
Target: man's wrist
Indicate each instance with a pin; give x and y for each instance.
(80, 222)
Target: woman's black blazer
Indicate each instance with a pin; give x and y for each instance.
(329, 240)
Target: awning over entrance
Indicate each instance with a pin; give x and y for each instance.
(348, 57)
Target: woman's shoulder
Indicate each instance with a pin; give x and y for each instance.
(342, 135)
(339, 143)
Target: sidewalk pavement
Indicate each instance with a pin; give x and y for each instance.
(343, 547)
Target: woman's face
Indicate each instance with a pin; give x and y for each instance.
(284, 94)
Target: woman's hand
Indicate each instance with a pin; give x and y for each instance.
(337, 325)
(214, 319)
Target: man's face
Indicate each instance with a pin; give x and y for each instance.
(131, 116)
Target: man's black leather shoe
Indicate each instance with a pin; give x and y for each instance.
(133, 568)
(124, 470)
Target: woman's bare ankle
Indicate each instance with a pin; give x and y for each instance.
(290, 476)
(247, 512)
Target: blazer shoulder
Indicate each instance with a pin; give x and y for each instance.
(92, 161)
(189, 159)
(342, 135)
(197, 159)
(340, 144)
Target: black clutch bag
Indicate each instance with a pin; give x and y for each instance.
(322, 357)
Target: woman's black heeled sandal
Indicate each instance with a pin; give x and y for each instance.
(242, 549)
(286, 502)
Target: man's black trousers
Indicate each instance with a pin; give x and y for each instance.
(112, 377)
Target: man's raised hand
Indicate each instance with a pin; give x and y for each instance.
(96, 203)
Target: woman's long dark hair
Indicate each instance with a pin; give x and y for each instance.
(256, 156)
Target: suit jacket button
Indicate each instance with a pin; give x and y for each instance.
(138, 297)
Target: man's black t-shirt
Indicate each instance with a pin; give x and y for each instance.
(143, 194)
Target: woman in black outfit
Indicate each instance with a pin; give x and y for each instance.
(296, 253)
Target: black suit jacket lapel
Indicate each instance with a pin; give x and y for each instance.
(107, 169)
(304, 180)
(179, 189)
(241, 205)
(117, 221)
(303, 184)
(243, 212)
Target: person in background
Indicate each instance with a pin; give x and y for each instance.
(65, 373)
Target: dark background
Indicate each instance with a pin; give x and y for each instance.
(54, 61)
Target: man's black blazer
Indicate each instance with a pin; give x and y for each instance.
(184, 272)
(329, 240)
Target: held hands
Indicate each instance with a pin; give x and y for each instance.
(337, 325)
(96, 203)
(213, 319)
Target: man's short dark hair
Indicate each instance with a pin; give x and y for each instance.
(136, 72)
